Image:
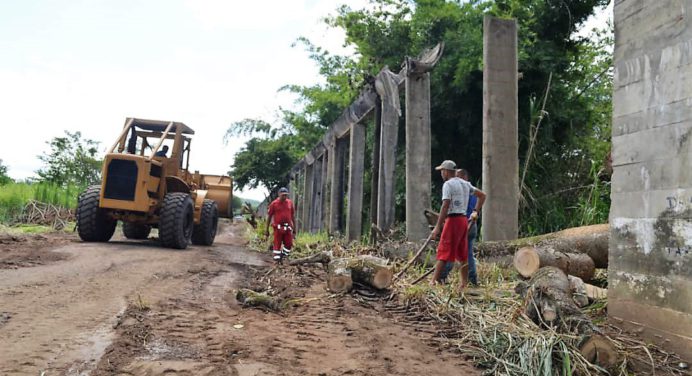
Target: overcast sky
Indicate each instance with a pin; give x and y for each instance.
(86, 65)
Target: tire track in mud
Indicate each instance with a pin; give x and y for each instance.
(59, 318)
(321, 334)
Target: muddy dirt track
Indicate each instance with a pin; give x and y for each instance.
(133, 308)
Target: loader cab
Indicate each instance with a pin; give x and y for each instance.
(137, 174)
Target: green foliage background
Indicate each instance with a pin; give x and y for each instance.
(564, 185)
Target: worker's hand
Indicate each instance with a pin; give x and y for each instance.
(435, 233)
(474, 215)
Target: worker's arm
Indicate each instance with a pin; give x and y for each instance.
(293, 220)
(479, 204)
(441, 219)
(269, 220)
(481, 199)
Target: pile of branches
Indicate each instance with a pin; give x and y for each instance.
(490, 326)
(40, 213)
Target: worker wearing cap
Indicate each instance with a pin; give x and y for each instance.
(452, 223)
(281, 215)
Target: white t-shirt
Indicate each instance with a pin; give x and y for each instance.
(457, 191)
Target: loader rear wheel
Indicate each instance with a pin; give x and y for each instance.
(205, 232)
(93, 225)
(136, 230)
(177, 220)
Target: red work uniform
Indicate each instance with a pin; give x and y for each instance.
(282, 216)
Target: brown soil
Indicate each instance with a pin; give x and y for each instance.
(20, 251)
(133, 308)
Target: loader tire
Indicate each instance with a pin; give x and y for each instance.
(136, 230)
(205, 232)
(93, 225)
(176, 220)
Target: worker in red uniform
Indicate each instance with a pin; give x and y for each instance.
(282, 216)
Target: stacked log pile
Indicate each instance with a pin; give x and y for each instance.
(577, 251)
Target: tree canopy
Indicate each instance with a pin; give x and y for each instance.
(4, 178)
(71, 160)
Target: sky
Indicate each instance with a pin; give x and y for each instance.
(86, 65)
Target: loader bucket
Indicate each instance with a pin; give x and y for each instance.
(219, 189)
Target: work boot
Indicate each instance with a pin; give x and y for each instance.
(277, 256)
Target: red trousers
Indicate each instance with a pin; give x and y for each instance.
(454, 245)
(283, 234)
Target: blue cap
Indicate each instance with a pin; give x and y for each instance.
(283, 190)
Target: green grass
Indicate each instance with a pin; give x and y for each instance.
(20, 229)
(14, 196)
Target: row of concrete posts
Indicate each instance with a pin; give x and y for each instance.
(327, 184)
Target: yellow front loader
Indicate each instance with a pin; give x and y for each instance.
(146, 184)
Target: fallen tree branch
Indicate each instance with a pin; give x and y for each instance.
(410, 262)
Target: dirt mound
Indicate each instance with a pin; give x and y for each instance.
(20, 251)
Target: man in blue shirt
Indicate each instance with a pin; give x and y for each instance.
(473, 228)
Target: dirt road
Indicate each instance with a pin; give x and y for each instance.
(133, 308)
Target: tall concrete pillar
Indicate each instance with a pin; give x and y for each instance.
(336, 210)
(354, 222)
(418, 164)
(650, 253)
(500, 130)
(297, 192)
(374, 184)
(324, 224)
(316, 199)
(307, 197)
(388, 143)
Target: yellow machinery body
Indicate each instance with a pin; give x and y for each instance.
(134, 184)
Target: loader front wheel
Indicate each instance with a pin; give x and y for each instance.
(205, 232)
(176, 220)
(93, 225)
(136, 230)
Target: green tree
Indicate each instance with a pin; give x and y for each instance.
(4, 178)
(574, 133)
(71, 160)
(266, 158)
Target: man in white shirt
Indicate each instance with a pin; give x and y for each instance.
(452, 223)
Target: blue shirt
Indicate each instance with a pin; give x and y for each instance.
(472, 205)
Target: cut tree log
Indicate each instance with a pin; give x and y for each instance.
(255, 299)
(413, 259)
(548, 302)
(528, 260)
(339, 278)
(595, 292)
(589, 240)
(322, 258)
(372, 271)
(578, 289)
